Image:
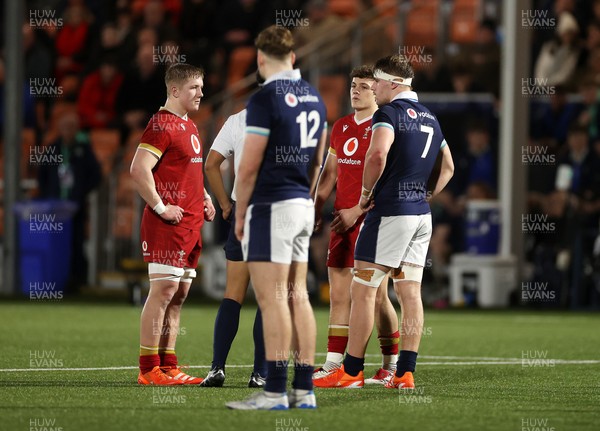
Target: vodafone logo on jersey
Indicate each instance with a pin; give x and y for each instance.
(197, 149)
(411, 113)
(350, 147)
(291, 100)
(145, 249)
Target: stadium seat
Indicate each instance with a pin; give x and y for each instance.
(239, 62)
(422, 23)
(105, 144)
(345, 8)
(123, 225)
(333, 92)
(464, 21)
(389, 9)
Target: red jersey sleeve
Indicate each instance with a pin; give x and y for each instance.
(156, 138)
(335, 131)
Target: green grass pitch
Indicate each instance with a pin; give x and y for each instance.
(519, 371)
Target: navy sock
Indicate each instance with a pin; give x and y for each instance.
(276, 376)
(407, 361)
(303, 377)
(260, 362)
(226, 326)
(353, 365)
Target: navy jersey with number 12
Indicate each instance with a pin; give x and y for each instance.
(402, 187)
(291, 113)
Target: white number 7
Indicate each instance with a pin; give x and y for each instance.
(429, 131)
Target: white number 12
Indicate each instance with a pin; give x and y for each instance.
(429, 131)
(308, 140)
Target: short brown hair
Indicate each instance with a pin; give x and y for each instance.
(397, 65)
(275, 41)
(179, 73)
(363, 72)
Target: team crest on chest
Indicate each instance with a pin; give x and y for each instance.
(344, 128)
(367, 130)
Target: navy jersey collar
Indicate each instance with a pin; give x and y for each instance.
(406, 95)
(292, 75)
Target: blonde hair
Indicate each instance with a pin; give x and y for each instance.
(276, 42)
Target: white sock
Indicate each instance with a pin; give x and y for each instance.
(300, 392)
(333, 360)
(389, 362)
(274, 394)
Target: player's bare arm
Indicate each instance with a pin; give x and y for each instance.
(317, 163)
(325, 183)
(375, 160)
(212, 169)
(252, 157)
(445, 173)
(141, 172)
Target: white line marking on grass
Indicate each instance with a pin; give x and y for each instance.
(369, 364)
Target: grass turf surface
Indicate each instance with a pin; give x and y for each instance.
(467, 390)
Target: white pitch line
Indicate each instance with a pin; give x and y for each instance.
(526, 364)
(479, 358)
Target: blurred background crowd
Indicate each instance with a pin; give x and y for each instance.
(94, 76)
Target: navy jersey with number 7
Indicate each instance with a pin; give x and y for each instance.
(291, 113)
(402, 188)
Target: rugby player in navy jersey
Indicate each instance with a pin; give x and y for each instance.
(283, 151)
(406, 144)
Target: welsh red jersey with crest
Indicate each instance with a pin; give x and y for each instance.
(178, 172)
(349, 143)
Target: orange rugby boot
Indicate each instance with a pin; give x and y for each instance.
(176, 373)
(407, 381)
(339, 379)
(157, 377)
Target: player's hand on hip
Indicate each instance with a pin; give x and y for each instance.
(209, 210)
(346, 218)
(173, 213)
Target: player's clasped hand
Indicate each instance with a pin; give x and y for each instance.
(209, 210)
(174, 214)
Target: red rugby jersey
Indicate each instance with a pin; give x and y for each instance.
(349, 143)
(178, 174)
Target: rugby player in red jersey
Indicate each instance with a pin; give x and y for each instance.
(167, 170)
(350, 138)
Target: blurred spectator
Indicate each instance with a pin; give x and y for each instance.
(147, 36)
(477, 164)
(73, 40)
(485, 55)
(589, 117)
(110, 42)
(172, 8)
(552, 120)
(73, 179)
(461, 75)
(432, 77)
(142, 92)
(38, 58)
(558, 58)
(197, 27)
(98, 96)
(155, 18)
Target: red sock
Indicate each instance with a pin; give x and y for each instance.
(147, 362)
(337, 339)
(389, 343)
(168, 358)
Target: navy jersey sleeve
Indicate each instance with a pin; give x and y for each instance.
(384, 117)
(258, 117)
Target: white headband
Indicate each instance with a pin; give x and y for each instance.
(380, 74)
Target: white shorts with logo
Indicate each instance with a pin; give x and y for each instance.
(278, 232)
(393, 240)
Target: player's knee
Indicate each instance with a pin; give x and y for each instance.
(371, 277)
